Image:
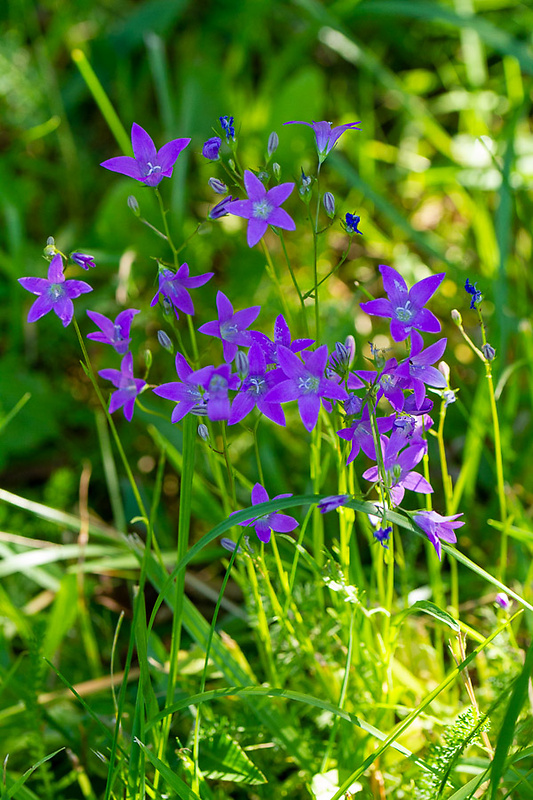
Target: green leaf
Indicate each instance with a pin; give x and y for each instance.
(428, 608)
(223, 759)
(11, 791)
(173, 781)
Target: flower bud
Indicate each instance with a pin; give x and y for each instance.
(148, 359)
(167, 306)
(349, 343)
(305, 186)
(329, 204)
(444, 370)
(50, 249)
(133, 205)
(165, 341)
(83, 260)
(276, 169)
(220, 209)
(353, 405)
(211, 148)
(503, 601)
(350, 224)
(217, 186)
(242, 364)
(448, 396)
(203, 432)
(488, 351)
(273, 142)
(263, 176)
(229, 544)
(231, 164)
(456, 316)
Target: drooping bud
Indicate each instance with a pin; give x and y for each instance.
(276, 169)
(203, 432)
(165, 341)
(148, 358)
(133, 205)
(488, 351)
(456, 316)
(211, 148)
(217, 186)
(444, 370)
(329, 204)
(242, 364)
(273, 142)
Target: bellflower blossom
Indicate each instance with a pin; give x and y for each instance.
(262, 208)
(350, 225)
(127, 386)
(55, 293)
(326, 136)
(417, 368)
(227, 127)
(116, 333)
(273, 521)
(255, 386)
(149, 166)
(404, 306)
(389, 383)
(282, 336)
(472, 289)
(437, 528)
(220, 210)
(83, 260)
(399, 470)
(306, 383)
(361, 436)
(187, 394)
(231, 327)
(216, 384)
(174, 285)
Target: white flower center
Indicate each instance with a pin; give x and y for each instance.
(262, 209)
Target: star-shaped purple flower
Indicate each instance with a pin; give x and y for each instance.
(54, 293)
(326, 136)
(231, 327)
(399, 470)
(437, 527)
(127, 386)
(174, 285)
(116, 333)
(262, 208)
(361, 436)
(187, 394)
(404, 306)
(417, 368)
(149, 166)
(216, 383)
(282, 335)
(255, 386)
(275, 521)
(305, 383)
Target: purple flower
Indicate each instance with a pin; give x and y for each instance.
(502, 600)
(472, 289)
(305, 383)
(361, 436)
(262, 208)
(149, 166)
(220, 210)
(256, 385)
(227, 127)
(174, 285)
(403, 306)
(389, 382)
(417, 367)
(216, 384)
(116, 333)
(351, 223)
(187, 394)
(332, 502)
(211, 148)
(326, 136)
(128, 387)
(282, 335)
(399, 470)
(382, 535)
(437, 527)
(83, 260)
(54, 293)
(231, 327)
(274, 521)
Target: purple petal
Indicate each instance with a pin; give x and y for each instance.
(229, 350)
(143, 146)
(74, 288)
(172, 391)
(35, 285)
(64, 309)
(416, 483)
(210, 329)
(125, 165)
(256, 230)
(283, 392)
(240, 208)
(168, 155)
(271, 410)
(263, 530)
(431, 354)
(282, 523)
(425, 320)
(55, 270)
(309, 406)
(105, 325)
(118, 399)
(281, 219)
(197, 280)
(399, 330)
(218, 407)
(316, 360)
(378, 308)
(113, 375)
(259, 494)
(182, 367)
(394, 285)
(241, 407)
(40, 307)
(290, 363)
(254, 188)
(224, 307)
(245, 317)
(278, 194)
(424, 289)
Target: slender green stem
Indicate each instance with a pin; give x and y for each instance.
(295, 282)
(274, 277)
(225, 449)
(164, 213)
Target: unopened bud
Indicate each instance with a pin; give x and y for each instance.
(165, 341)
(276, 169)
(444, 370)
(167, 306)
(203, 432)
(217, 186)
(488, 351)
(456, 316)
(263, 176)
(503, 601)
(349, 343)
(273, 142)
(329, 204)
(133, 205)
(50, 248)
(242, 364)
(148, 359)
(231, 164)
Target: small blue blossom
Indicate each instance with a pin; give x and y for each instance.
(83, 260)
(227, 127)
(211, 148)
(382, 535)
(350, 224)
(477, 297)
(273, 521)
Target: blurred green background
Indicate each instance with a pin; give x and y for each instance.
(441, 175)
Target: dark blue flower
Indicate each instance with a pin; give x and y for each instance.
(477, 297)
(227, 127)
(350, 224)
(382, 535)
